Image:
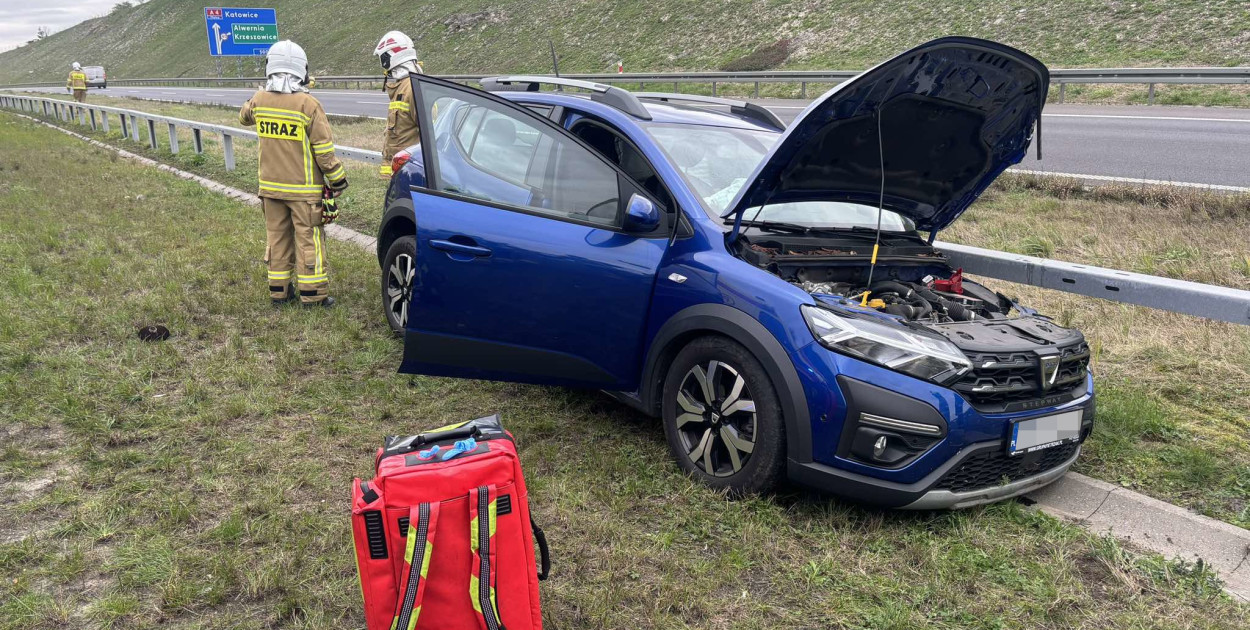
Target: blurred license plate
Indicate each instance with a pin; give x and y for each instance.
(1036, 434)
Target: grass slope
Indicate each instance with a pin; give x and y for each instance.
(202, 482)
(167, 37)
(1174, 391)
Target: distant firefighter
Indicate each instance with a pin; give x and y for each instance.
(77, 83)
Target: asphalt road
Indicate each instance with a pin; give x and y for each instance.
(1193, 145)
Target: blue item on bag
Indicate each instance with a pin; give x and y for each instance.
(466, 445)
(428, 453)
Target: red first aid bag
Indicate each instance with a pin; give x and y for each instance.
(443, 533)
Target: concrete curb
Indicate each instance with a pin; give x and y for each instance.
(1161, 527)
(1100, 507)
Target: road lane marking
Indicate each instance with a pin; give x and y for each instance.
(1130, 180)
(1189, 118)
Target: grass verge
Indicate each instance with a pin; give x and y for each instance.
(1175, 390)
(203, 481)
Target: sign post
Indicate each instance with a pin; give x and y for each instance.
(240, 32)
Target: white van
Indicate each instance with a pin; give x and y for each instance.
(95, 76)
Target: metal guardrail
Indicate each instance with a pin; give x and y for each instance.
(1178, 296)
(131, 121)
(1060, 77)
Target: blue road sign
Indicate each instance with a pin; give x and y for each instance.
(240, 32)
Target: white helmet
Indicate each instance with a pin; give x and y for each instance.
(286, 56)
(76, 66)
(394, 49)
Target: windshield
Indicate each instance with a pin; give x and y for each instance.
(716, 162)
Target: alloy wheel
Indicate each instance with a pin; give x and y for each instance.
(399, 288)
(716, 418)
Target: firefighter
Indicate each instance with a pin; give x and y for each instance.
(399, 59)
(77, 83)
(300, 177)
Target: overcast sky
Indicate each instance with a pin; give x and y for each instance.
(19, 19)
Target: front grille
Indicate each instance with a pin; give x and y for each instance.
(993, 467)
(998, 381)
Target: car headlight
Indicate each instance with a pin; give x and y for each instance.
(922, 356)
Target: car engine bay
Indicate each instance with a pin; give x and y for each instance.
(912, 282)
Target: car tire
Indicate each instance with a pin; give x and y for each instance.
(737, 442)
(398, 269)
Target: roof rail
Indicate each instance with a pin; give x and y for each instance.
(741, 108)
(608, 95)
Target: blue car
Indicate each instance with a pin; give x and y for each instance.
(772, 293)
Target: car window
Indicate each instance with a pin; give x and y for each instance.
(625, 156)
(716, 162)
(495, 153)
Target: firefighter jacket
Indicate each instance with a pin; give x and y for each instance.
(77, 80)
(296, 149)
(401, 122)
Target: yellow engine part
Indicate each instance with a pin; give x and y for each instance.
(875, 303)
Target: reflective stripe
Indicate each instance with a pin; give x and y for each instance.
(315, 279)
(385, 169)
(400, 105)
(295, 188)
(284, 113)
(280, 275)
(337, 173)
(325, 147)
(320, 253)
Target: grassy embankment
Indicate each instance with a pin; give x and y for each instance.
(1175, 390)
(202, 482)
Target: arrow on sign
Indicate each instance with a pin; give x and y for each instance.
(219, 37)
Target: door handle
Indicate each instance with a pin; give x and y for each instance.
(461, 249)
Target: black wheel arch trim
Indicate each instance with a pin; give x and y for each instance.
(744, 329)
(399, 209)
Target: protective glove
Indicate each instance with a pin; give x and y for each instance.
(329, 211)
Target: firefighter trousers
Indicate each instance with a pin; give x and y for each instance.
(80, 96)
(295, 249)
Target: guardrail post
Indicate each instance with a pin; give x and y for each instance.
(802, 89)
(134, 128)
(1062, 89)
(713, 88)
(45, 107)
(92, 112)
(104, 119)
(125, 128)
(1150, 95)
(152, 132)
(198, 140)
(227, 145)
(757, 89)
(173, 138)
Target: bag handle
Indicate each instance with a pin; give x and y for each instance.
(458, 433)
(544, 553)
(422, 523)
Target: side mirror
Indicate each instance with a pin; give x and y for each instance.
(641, 215)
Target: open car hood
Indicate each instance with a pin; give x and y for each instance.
(952, 113)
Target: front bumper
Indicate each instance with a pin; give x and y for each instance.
(948, 500)
(921, 495)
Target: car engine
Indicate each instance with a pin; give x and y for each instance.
(931, 300)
